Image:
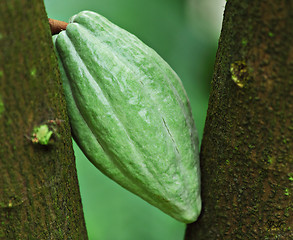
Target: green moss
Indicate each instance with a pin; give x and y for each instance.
(1, 106)
(290, 176)
(9, 122)
(271, 160)
(33, 71)
(271, 34)
(244, 42)
(287, 192)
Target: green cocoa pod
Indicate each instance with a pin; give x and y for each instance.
(130, 114)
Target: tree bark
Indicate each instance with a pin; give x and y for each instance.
(39, 192)
(247, 147)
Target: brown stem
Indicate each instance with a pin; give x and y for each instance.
(57, 26)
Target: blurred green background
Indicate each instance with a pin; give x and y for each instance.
(185, 33)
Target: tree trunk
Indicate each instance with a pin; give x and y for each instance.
(247, 148)
(39, 192)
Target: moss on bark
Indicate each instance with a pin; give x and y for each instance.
(39, 193)
(247, 148)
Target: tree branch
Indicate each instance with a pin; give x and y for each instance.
(57, 26)
(39, 192)
(247, 148)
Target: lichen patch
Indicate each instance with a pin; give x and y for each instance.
(239, 73)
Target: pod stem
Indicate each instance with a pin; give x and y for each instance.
(57, 26)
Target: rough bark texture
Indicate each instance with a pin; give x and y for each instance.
(39, 193)
(247, 148)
